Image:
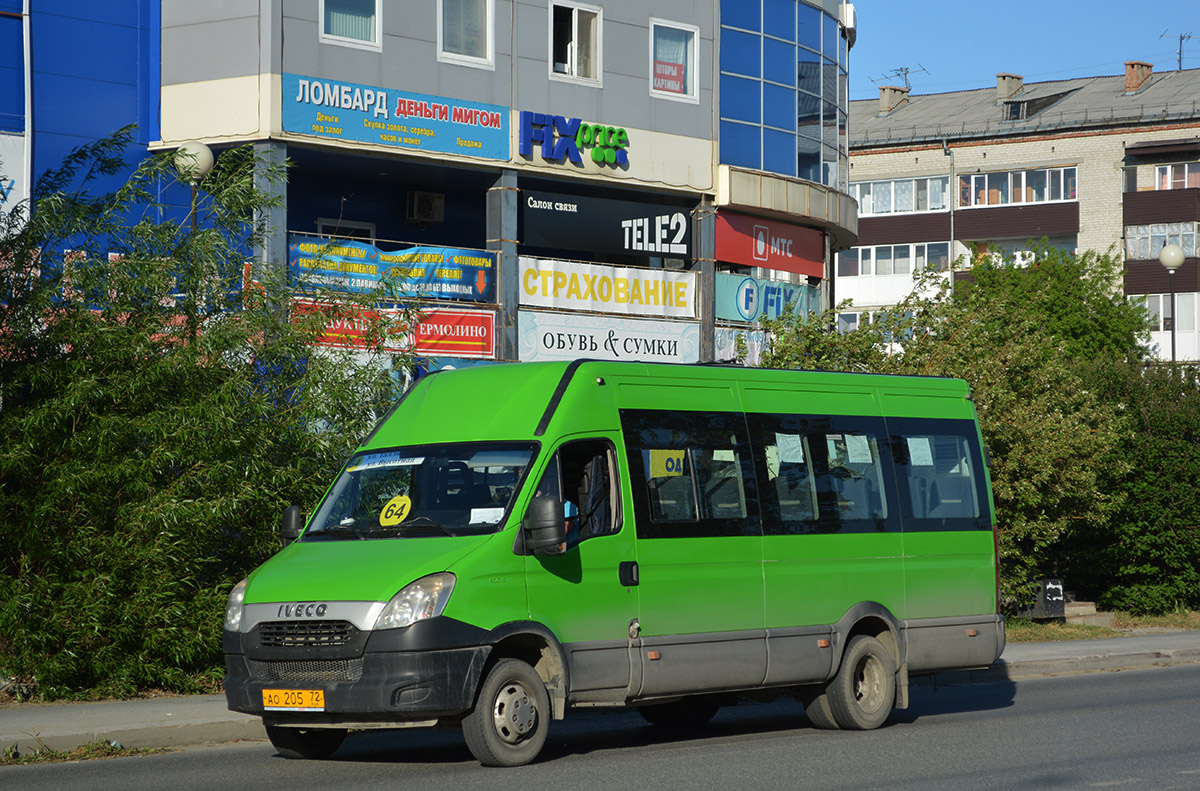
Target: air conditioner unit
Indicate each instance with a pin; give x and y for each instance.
(425, 207)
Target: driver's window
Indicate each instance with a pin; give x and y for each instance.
(590, 488)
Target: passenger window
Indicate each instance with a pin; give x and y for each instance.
(789, 472)
(692, 473)
(856, 476)
(940, 478)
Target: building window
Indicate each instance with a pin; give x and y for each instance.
(575, 41)
(351, 23)
(465, 32)
(893, 259)
(1142, 242)
(1158, 310)
(1021, 186)
(346, 229)
(673, 60)
(901, 195)
(1177, 177)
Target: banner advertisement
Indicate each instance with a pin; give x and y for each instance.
(741, 298)
(754, 241)
(567, 336)
(13, 188)
(725, 345)
(401, 119)
(457, 333)
(602, 225)
(415, 272)
(572, 285)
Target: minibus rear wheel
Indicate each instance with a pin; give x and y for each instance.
(511, 717)
(863, 692)
(314, 743)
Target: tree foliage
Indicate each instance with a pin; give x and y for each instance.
(1025, 338)
(157, 414)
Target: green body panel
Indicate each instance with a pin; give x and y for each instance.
(948, 574)
(814, 579)
(489, 588)
(697, 585)
(353, 570)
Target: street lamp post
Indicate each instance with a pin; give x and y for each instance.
(193, 160)
(1171, 256)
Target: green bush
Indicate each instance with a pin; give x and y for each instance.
(156, 417)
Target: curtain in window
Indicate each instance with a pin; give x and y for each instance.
(671, 47)
(350, 19)
(464, 27)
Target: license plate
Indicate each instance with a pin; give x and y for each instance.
(294, 699)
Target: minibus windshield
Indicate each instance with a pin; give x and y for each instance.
(422, 491)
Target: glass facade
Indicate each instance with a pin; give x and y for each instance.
(783, 90)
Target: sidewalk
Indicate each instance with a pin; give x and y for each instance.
(181, 721)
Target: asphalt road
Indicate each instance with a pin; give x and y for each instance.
(1137, 729)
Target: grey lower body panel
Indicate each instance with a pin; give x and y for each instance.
(953, 643)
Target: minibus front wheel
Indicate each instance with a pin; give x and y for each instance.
(511, 717)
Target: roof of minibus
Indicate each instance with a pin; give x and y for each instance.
(511, 401)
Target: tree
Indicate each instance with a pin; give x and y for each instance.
(156, 414)
(1017, 335)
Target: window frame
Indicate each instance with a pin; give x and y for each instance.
(336, 228)
(573, 62)
(487, 61)
(692, 66)
(353, 43)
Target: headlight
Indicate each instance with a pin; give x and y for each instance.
(233, 607)
(425, 598)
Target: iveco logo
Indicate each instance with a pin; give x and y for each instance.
(302, 610)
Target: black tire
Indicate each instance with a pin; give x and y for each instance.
(314, 743)
(863, 692)
(509, 723)
(681, 715)
(818, 713)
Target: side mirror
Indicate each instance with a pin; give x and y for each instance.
(545, 526)
(292, 524)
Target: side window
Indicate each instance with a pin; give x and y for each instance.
(691, 472)
(581, 475)
(824, 474)
(939, 467)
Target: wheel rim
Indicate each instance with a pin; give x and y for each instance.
(869, 684)
(514, 713)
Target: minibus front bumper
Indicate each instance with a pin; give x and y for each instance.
(365, 681)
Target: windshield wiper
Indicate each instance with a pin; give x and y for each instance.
(346, 527)
(417, 522)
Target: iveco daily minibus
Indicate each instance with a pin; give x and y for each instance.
(515, 541)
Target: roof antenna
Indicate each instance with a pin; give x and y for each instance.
(1182, 38)
(903, 71)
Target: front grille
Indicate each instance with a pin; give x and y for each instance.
(289, 634)
(316, 670)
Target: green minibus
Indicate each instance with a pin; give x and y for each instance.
(516, 541)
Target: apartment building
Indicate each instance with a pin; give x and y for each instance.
(1093, 163)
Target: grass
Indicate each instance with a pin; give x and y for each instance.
(92, 750)
(1023, 630)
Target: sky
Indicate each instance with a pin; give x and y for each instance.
(950, 45)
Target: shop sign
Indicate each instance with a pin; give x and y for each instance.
(414, 272)
(741, 298)
(570, 336)
(571, 285)
(388, 117)
(603, 225)
(457, 333)
(561, 138)
(754, 241)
